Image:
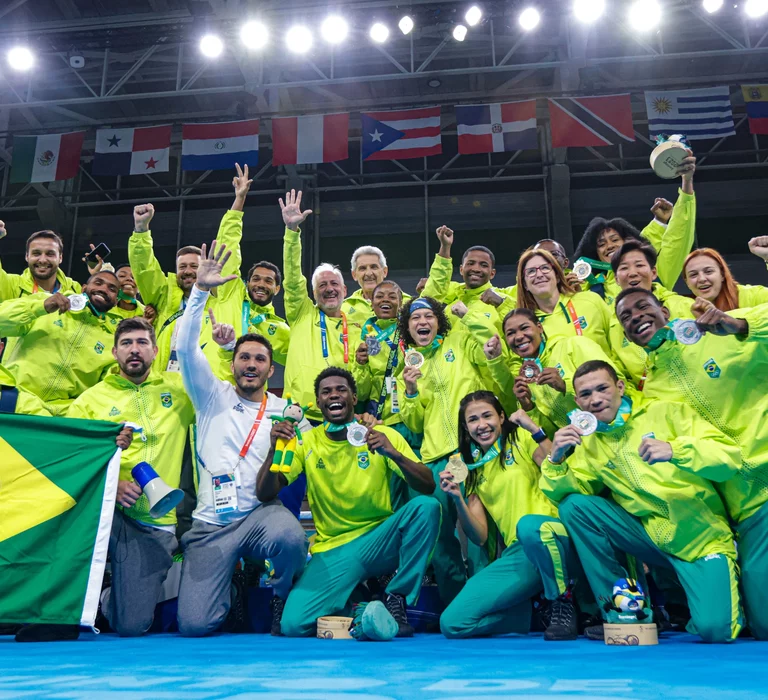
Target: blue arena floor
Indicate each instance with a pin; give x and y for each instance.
(259, 667)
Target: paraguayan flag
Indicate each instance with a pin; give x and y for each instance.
(697, 114)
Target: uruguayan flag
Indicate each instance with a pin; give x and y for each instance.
(697, 114)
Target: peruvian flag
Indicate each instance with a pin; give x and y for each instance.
(319, 138)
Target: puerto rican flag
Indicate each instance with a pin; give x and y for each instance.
(140, 151)
(407, 133)
(219, 146)
(318, 138)
(496, 128)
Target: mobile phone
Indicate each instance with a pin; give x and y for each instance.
(100, 251)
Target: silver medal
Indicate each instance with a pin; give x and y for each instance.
(357, 434)
(373, 344)
(584, 421)
(582, 269)
(687, 332)
(77, 302)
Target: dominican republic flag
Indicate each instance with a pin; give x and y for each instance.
(696, 114)
(318, 138)
(756, 102)
(219, 146)
(141, 151)
(407, 133)
(591, 121)
(496, 128)
(46, 158)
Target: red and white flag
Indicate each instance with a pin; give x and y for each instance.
(318, 138)
(405, 133)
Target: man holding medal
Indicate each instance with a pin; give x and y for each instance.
(348, 468)
(717, 365)
(657, 459)
(229, 521)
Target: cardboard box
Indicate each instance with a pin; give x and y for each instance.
(331, 627)
(639, 635)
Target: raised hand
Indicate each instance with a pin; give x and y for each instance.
(459, 309)
(492, 348)
(686, 170)
(521, 418)
(93, 268)
(662, 209)
(240, 182)
(211, 265)
(420, 286)
(293, 217)
(142, 215)
(445, 236)
(223, 334)
(150, 313)
(56, 302)
(711, 320)
(757, 245)
(491, 297)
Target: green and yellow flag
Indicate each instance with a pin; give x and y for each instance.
(58, 483)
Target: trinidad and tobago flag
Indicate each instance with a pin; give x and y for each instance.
(591, 121)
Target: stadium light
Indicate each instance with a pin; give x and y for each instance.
(254, 35)
(756, 8)
(459, 32)
(588, 11)
(334, 29)
(298, 39)
(529, 18)
(406, 25)
(211, 46)
(473, 16)
(644, 15)
(21, 58)
(712, 6)
(379, 33)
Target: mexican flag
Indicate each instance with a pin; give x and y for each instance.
(58, 483)
(47, 157)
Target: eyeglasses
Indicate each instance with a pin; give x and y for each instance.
(531, 272)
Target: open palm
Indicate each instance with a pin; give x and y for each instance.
(211, 264)
(291, 209)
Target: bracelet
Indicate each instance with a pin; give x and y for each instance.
(411, 396)
(552, 461)
(539, 436)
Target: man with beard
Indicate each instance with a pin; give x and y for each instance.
(58, 352)
(127, 305)
(233, 441)
(358, 535)
(140, 547)
(321, 334)
(168, 293)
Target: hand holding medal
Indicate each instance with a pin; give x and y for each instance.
(357, 434)
(584, 421)
(77, 302)
(582, 269)
(710, 319)
(529, 371)
(668, 159)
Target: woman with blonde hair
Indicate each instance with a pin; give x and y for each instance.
(708, 276)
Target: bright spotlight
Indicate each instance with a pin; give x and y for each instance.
(21, 58)
(254, 35)
(406, 25)
(756, 8)
(589, 11)
(473, 16)
(644, 15)
(529, 18)
(379, 32)
(459, 32)
(334, 29)
(712, 6)
(211, 46)
(298, 39)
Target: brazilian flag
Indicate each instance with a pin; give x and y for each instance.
(58, 483)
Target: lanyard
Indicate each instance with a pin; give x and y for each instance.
(254, 428)
(344, 336)
(56, 287)
(572, 314)
(391, 363)
(173, 317)
(247, 320)
(371, 325)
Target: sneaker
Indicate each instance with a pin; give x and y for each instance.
(563, 625)
(395, 604)
(236, 620)
(277, 605)
(595, 633)
(48, 633)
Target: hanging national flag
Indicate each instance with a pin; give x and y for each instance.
(56, 509)
(407, 133)
(495, 128)
(696, 114)
(317, 138)
(756, 100)
(219, 146)
(46, 158)
(591, 121)
(140, 151)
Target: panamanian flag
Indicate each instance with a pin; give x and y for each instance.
(140, 151)
(495, 128)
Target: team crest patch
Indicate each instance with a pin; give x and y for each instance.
(239, 408)
(59, 323)
(272, 329)
(166, 400)
(449, 356)
(624, 343)
(509, 458)
(481, 479)
(582, 322)
(115, 411)
(320, 464)
(712, 368)
(113, 321)
(363, 460)
(560, 369)
(610, 465)
(99, 348)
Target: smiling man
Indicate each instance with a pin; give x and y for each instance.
(58, 353)
(369, 269)
(658, 460)
(358, 535)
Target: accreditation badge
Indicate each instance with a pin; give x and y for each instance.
(224, 493)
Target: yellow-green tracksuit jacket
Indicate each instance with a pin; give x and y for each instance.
(15, 286)
(27, 403)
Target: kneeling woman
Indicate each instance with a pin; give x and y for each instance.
(503, 483)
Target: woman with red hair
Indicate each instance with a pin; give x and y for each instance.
(708, 276)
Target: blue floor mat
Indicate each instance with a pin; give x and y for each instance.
(259, 667)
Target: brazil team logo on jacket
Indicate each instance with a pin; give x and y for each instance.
(449, 356)
(509, 458)
(166, 400)
(560, 369)
(115, 411)
(59, 323)
(582, 322)
(711, 368)
(99, 348)
(272, 329)
(363, 460)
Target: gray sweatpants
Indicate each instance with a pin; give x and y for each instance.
(211, 552)
(140, 556)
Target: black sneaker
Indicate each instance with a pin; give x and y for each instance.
(48, 633)
(563, 624)
(237, 618)
(395, 604)
(277, 605)
(595, 632)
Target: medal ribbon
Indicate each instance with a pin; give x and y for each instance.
(596, 265)
(574, 318)
(56, 287)
(254, 429)
(373, 328)
(625, 410)
(491, 454)
(344, 336)
(247, 320)
(659, 337)
(336, 427)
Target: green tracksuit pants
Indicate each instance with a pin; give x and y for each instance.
(498, 599)
(403, 542)
(753, 561)
(603, 533)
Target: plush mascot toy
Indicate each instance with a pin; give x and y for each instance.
(284, 449)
